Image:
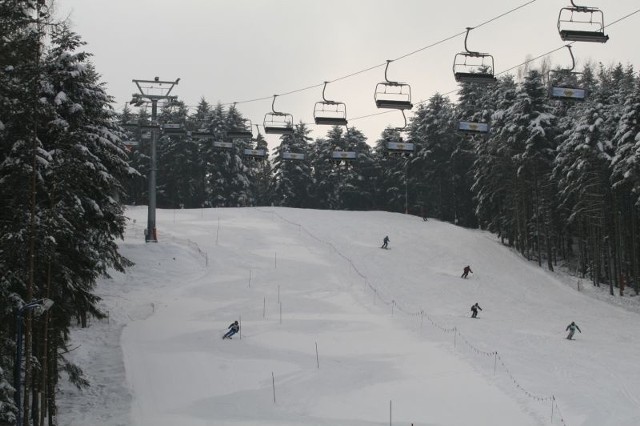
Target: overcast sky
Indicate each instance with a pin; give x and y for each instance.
(238, 50)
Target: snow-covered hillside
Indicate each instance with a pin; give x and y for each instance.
(337, 331)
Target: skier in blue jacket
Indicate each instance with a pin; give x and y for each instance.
(233, 329)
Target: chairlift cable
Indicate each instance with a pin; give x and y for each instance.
(384, 63)
(425, 48)
(503, 71)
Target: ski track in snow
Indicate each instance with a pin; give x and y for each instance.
(160, 360)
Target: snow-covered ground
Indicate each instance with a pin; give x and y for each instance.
(336, 331)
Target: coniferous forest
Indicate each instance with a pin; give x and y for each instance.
(558, 181)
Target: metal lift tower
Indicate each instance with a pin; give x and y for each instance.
(153, 91)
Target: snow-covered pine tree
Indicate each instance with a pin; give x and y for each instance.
(179, 165)
(326, 172)
(238, 187)
(260, 173)
(391, 172)
(213, 158)
(626, 182)
(529, 128)
(582, 172)
(494, 170)
(136, 186)
(431, 179)
(474, 104)
(82, 215)
(360, 175)
(22, 160)
(292, 179)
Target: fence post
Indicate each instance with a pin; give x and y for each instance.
(264, 306)
(495, 362)
(455, 333)
(273, 382)
(317, 357)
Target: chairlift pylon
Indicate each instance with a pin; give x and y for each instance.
(392, 94)
(277, 123)
(473, 67)
(563, 84)
(331, 113)
(574, 25)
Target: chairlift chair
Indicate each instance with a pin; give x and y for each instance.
(173, 129)
(293, 156)
(563, 84)
(400, 147)
(241, 132)
(344, 156)
(278, 123)
(473, 127)
(202, 135)
(473, 67)
(132, 125)
(328, 112)
(581, 23)
(392, 94)
(222, 145)
(257, 154)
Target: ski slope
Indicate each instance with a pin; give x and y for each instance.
(336, 331)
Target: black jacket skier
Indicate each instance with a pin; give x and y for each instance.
(233, 329)
(385, 242)
(466, 271)
(474, 310)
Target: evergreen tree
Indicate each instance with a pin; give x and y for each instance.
(432, 174)
(392, 173)
(495, 172)
(292, 179)
(260, 172)
(179, 175)
(358, 191)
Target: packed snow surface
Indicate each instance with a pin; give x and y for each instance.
(336, 331)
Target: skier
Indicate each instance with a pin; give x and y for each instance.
(474, 310)
(466, 271)
(233, 329)
(571, 328)
(385, 242)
